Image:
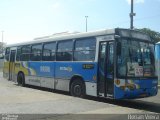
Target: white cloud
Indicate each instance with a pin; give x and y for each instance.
(136, 1)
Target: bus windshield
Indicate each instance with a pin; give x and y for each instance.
(135, 59)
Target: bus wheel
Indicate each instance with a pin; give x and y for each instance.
(20, 79)
(77, 88)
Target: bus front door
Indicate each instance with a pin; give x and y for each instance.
(12, 64)
(106, 69)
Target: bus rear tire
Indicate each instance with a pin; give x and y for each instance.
(77, 88)
(20, 79)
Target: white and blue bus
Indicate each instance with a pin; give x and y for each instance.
(115, 63)
(158, 60)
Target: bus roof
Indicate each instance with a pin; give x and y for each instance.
(75, 35)
(65, 36)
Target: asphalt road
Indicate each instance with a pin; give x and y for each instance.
(43, 104)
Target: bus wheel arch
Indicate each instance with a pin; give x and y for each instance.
(77, 87)
(21, 78)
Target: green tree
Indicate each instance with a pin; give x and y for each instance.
(153, 34)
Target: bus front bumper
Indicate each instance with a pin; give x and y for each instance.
(137, 93)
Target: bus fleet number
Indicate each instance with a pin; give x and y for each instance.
(45, 69)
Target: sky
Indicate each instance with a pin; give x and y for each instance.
(24, 20)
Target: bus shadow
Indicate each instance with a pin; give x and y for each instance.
(45, 89)
(136, 104)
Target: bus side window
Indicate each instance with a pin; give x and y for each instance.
(18, 54)
(85, 49)
(7, 54)
(49, 50)
(65, 51)
(36, 52)
(25, 53)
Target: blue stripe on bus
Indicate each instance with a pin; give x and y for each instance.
(64, 70)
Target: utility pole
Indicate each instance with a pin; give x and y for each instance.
(132, 14)
(86, 23)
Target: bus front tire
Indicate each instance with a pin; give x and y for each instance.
(77, 88)
(20, 79)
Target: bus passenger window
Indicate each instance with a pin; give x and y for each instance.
(49, 50)
(85, 49)
(36, 52)
(7, 54)
(18, 54)
(65, 51)
(25, 53)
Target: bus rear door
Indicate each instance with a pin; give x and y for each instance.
(12, 64)
(106, 69)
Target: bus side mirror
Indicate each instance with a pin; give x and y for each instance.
(119, 48)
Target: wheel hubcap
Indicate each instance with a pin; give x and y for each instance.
(77, 90)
